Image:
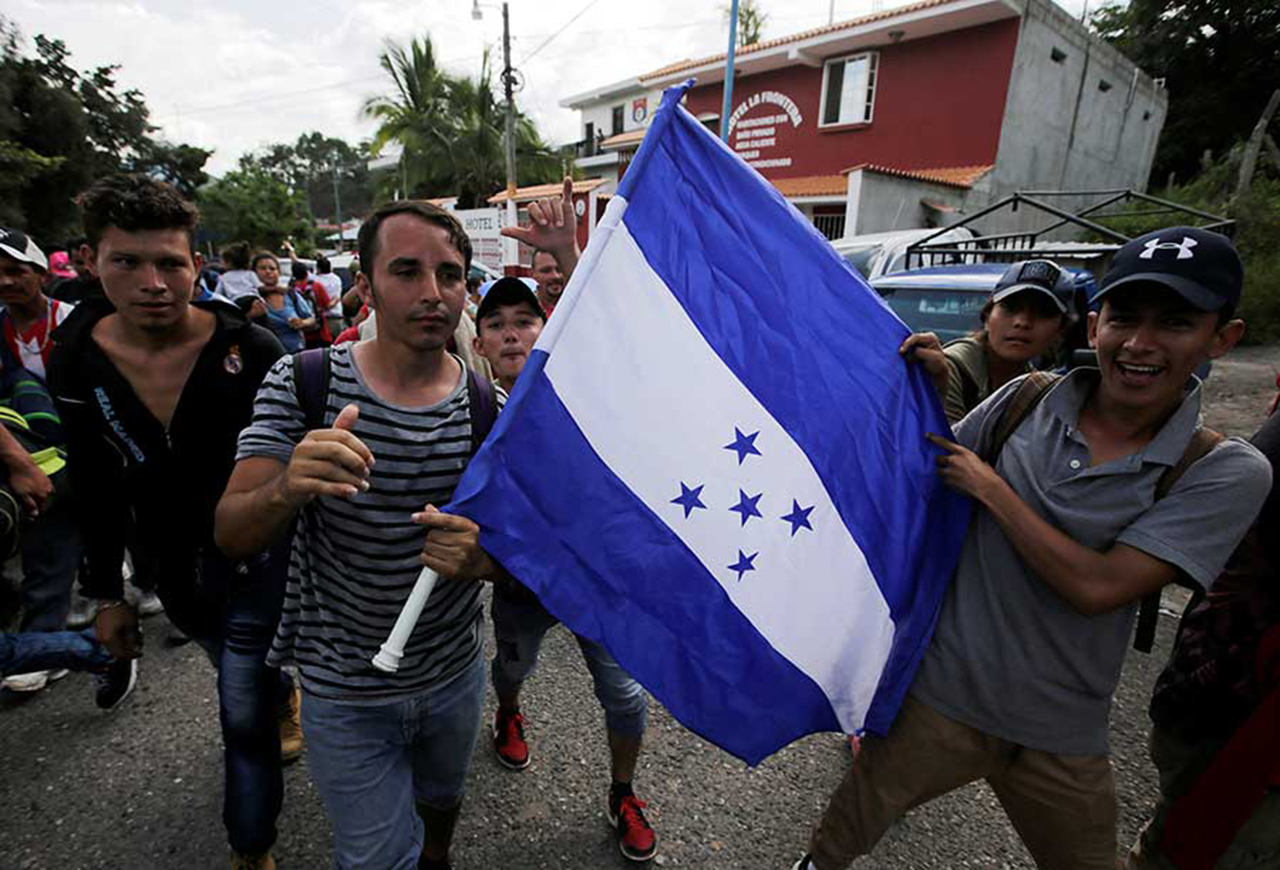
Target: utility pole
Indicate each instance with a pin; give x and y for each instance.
(728, 72)
(513, 215)
(337, 204)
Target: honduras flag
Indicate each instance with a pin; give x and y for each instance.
(714, 461)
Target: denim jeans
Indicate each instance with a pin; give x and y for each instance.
(250, 696)
(49, 650)
(519, 625)
(372, 761)
(50, 558)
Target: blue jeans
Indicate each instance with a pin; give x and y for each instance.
(250, 696)
(371, 762)
(50, 558)
(47, 650)
(519, 625)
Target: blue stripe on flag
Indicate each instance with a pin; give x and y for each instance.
(818, 348)
(640, 591)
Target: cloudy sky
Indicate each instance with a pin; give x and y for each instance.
(234, 75)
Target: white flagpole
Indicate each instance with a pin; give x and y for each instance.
(388, 658)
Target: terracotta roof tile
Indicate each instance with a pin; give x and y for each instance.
(952, 176)
(812, 185)
(528, 194)
(631, 137)
(795, 37)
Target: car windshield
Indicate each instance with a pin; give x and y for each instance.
(948, 313)
(860, 258)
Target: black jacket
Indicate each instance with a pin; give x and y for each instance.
(136, 482)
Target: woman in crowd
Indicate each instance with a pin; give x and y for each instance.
(288, 315)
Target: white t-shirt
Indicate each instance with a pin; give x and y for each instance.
(332, 285)
(32, 346)
(237, 283)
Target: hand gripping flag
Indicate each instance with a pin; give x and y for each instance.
(714, 461)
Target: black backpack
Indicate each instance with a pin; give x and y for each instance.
(311, 370)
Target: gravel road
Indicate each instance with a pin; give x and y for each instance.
(141, 787)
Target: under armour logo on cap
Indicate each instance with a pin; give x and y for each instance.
(1198, 264)
(1183, 248)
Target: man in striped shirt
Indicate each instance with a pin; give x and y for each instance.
(397, 437)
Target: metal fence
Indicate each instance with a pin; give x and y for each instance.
(830, 225)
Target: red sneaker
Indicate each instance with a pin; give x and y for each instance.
(508, 740)
(636, 839)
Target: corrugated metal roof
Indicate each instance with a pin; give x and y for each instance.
(747, 50)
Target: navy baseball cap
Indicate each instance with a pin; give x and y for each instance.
(508, 291)
(1044, 276)
(1200, 266)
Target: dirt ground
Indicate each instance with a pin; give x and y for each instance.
(1240, 389)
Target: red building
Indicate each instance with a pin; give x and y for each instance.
(895, 119)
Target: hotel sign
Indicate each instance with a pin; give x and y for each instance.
(754, 138)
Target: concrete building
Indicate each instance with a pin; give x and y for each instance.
(908, 117)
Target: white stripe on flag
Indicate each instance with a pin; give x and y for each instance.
(661, 416)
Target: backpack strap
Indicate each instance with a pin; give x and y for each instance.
(1203, 441)
(311, 369)
(1026, 397)
(483, 405)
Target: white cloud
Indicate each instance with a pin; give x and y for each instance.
(237, 75)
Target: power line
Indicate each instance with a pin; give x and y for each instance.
(251, 102)
(547, 41)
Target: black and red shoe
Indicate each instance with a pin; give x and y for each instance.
(508, 740)
(636, 838)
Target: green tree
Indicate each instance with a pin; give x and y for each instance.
(1220, 60)
(751, 21)
(415, 116)
(180, 165)
(451, 128)
(251, 204)
(477, 152)
(307, 167)
(61, 129)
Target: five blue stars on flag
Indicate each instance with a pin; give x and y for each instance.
(748, 505)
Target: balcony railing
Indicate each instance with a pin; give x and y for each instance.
(830, 225)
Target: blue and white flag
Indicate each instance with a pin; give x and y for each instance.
(714, 461)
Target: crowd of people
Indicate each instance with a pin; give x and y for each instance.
(316, 429)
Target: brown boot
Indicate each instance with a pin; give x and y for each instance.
(291, 729)
(241, 861)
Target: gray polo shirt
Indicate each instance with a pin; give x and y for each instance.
(1012, 658)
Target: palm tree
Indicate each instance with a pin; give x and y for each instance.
(416, 115)
(451, 129)
(479, 148)
(751, 21)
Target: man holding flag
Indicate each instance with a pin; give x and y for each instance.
(392, 427)
(713, 463)
(1105, 492)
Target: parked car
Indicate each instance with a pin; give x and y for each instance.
(877, 254)
(947, 300)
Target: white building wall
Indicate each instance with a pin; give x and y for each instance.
(601, 114)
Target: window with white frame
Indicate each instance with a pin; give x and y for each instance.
(849, 89)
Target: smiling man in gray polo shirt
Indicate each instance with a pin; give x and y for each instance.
(1068, 537)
